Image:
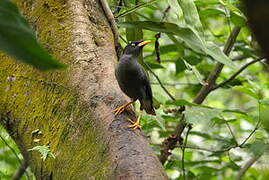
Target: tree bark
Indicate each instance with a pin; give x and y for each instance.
(71, 108)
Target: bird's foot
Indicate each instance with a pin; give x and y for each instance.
(122, 108)
(135, 124)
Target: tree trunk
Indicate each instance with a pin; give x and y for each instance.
(71, 108)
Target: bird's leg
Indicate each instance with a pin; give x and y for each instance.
(122, 108)
(135, 124)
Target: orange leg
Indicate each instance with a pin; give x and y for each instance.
(122, 108)
(135, 124)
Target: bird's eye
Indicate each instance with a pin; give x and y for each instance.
(133, 44)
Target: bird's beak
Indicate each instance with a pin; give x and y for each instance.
(143, 43)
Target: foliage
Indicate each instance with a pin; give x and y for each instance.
(10, 157)
(44, 151)
(226, 130)
(18, 40)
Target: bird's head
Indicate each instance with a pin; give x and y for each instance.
(134, 48)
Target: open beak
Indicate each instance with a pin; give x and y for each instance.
(143, 43)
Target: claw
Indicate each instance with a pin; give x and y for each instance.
(135, 124)
(122, 108)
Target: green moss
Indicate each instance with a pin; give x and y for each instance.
(38, 100)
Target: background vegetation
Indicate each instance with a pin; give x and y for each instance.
(218, 134)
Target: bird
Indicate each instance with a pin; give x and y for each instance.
(133, 81)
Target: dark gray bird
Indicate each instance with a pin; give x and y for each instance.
(133, 80)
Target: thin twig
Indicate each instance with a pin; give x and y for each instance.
(15, 153)
(244, 169)
(161, 84)
(230, 129)
(236, 73)
(135, 8)
(12, 149)
(113, 24)
(175, 84)
(19, 173)
(254, 130)
(183, 152)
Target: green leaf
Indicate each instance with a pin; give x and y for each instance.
(190, 14)
(195, 72)
(153, 65)
(180, 66)
(187, 35)
(197, 114)
(238, 19)
(264, 101)
(133, 34)
(215, 52)
(258, 148)
(211, 12)
(168, 48)
(222, 121)
(18, 40)
(247, 91)
(180, 102)
(44, 151)
(235, 111)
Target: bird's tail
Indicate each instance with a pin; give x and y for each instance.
(148, 106)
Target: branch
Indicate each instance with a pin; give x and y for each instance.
(135, 8)
(19, 173)
(17, 157)
(206, 89)
(158, 79)
(175, 84)
(244, 169)
(236, 74)
(183, 152)
(110, 17)
(170, 142)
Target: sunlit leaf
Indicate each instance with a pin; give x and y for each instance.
(44, 151)
(190, 14)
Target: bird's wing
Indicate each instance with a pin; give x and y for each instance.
(147, 102)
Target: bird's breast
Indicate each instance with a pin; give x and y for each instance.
(128, 75)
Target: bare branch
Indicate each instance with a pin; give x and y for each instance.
(236, 73)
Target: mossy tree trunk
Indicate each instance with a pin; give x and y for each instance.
(72, 107)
